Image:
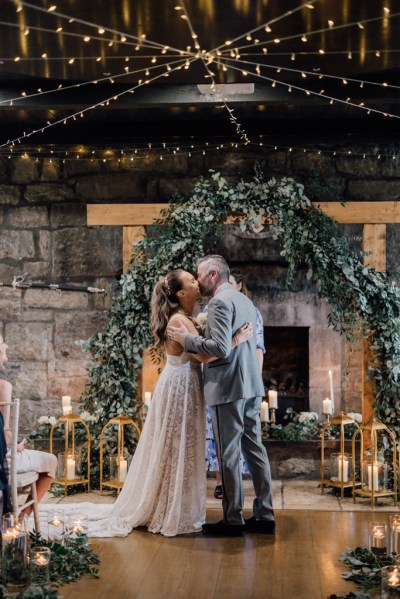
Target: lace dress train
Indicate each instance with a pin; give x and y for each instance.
(165, 489)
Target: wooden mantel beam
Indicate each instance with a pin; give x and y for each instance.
(145, 214)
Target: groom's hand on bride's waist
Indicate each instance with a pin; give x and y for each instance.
(177, 333)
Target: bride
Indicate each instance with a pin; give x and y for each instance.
(165, 489)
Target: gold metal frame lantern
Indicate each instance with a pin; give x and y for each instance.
(373, 473)
(68, 421)
(339, 476)
(121, 422)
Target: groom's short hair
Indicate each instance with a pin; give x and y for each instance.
(218, 263)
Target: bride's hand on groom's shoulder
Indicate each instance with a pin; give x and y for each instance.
(244, 333)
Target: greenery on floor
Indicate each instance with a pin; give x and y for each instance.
(361, 299)
(365, 572)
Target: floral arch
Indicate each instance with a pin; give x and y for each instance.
(360, 298)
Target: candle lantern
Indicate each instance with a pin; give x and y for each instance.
(118, 461)
(378, 475)
(377, 538)
(56, 526)
(40, 560)
(15, 554)
(390, 581)
(70, 461)
(77, 528)
(341, 463)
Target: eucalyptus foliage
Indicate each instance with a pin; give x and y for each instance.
(360, 298)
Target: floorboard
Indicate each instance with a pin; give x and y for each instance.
(301, 562)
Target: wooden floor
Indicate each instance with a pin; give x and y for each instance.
(301, 562)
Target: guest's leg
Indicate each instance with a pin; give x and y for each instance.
(257, 461)
(228, 429)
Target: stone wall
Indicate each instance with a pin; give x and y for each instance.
(44, 233)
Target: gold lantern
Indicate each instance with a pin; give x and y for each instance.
(118, 463)
(341, 463)
(374, 474)
(70, 461)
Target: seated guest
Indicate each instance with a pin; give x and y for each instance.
(28, 460)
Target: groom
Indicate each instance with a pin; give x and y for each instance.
(233, 387)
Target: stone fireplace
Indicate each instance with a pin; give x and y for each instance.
(300, 350)
(286, 366)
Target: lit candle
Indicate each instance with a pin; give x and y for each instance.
(326, 406)
(273, 399)
(123, 469)
(394, 579)
(331, 390)
(343, 469)
(264, 414)
(373, 481)
(70, 468)
(40, 560)
(147, 398)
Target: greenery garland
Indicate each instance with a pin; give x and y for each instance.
(360, 298)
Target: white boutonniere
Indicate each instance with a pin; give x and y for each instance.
(201, 321)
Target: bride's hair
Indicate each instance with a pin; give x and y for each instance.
(164, 303)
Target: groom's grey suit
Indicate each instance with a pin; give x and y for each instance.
(233, 387)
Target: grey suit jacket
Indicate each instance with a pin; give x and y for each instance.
(236, 374)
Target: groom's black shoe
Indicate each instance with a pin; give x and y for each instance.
(266, 527)
(220, 529)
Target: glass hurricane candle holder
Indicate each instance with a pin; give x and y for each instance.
(56, 526)
(373, 476)
(341, 467)
(394, 533)
(78, 525)
(15, 554)
(69, 466)
(377, 538)
(390, 581)
(40, 561)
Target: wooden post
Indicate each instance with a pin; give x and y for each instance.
(374, 240)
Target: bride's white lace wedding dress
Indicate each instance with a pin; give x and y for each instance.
(165, 489)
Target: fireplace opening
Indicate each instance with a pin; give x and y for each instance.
(286, 367)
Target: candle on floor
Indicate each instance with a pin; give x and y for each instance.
(273, 399)
(264, 414)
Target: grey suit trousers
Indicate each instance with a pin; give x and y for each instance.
(237, 428)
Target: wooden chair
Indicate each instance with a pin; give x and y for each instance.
(24, 482)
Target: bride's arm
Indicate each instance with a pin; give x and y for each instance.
(182, 325)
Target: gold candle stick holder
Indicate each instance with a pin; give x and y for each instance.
(272, 417)
(69, 467)
(119, 466)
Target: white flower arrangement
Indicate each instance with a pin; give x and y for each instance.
(50, 420)
(356, 416)
(87, 417)
(307, 417)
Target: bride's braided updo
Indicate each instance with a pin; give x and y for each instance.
(164, 303)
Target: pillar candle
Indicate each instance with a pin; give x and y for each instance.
(264, 414)
(373, 481)
(65, 401)
(123, 469)
(66, 410)
(70, 468)
(273, 399)
(147, 398)
(343, 468)
(326, 406)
